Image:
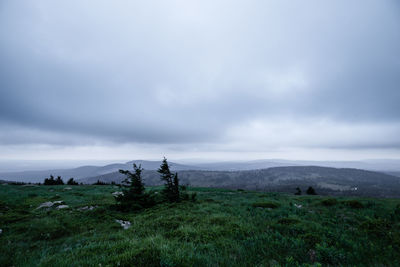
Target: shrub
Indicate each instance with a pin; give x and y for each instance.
(270, 205)
(329, 202)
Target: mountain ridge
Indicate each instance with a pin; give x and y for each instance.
(327, 180)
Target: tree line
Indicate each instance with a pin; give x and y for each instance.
(59, 181)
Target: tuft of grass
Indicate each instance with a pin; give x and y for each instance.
(270, 205)
(329, 202)
(354, 204)
(288, 221)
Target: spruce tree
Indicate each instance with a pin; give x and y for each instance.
(298, 191)
(59, 181)
(311, 191)
(133, 182)
(49, 181)
(71, 181)
(171, 182)
(134, 196)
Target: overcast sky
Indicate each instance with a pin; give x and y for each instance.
(199, 79)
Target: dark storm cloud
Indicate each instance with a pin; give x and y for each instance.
(200, 72)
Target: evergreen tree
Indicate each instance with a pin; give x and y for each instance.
(71, 181)
(134, 196)
(49, 181)
(171, 182)
(99, 182)
(298, 191)
(59, 181)
(311, 191)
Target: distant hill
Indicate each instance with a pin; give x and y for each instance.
(391, 167)
(394, 173)
(263, 175)
(325, 180)
(371, 165)
(85, 171)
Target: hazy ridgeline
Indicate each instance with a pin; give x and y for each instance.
(379, 180)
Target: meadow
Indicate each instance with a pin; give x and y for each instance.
(220, 228)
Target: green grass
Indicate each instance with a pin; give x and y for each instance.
(222, 228)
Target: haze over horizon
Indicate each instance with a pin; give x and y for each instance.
(227, 80)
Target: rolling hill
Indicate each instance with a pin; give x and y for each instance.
(85, 171)
(332, 181)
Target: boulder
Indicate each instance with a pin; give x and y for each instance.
(124, 224)
(50, 204)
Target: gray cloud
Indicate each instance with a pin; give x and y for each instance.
(199, 73)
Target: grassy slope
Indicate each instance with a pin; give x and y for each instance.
(222, 228)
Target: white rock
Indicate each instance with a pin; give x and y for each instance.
(46, 205)
(124, 224)
(67, 188)
(87, 208)
(118, 193)
(50, 204)
(62, 207)
(298, 206)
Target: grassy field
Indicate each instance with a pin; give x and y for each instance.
(221, 228)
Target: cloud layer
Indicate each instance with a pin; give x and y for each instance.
(232, 76)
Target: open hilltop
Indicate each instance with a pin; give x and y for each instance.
(79, 226)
